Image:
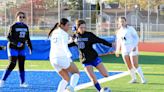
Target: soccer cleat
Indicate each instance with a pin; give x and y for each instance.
(143, 81)
(133, 81)
(2, 83)
(70, 89)
(23, 85)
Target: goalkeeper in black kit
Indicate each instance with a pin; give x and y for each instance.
(17, 37)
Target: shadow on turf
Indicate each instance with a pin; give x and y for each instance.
(155, 84)
(153, 74)
(143, 59)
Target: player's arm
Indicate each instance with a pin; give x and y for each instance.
(65, 45)
(135, 38)
(10, 37)
(72, 41)
(118, 45)
(96, 39)
(29, 42)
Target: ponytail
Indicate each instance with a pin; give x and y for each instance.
(56, 25)
(63, 21)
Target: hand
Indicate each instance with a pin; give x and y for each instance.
(117, 54)
(19, 44)
(30, 51)
(134, 49)
(74, 28)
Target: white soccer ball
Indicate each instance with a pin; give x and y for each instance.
(105, 89)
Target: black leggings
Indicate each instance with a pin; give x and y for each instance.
(11, 66)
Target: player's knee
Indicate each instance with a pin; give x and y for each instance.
(12, 65)
(135, 65)
(94, 80)
(67, 79)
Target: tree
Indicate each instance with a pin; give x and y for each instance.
(76, 4)
(50, 3)
(97, 8)
(143, 4)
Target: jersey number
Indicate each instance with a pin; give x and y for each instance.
(22, 34)
(81, 45)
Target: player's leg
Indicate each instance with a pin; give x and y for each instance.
(91, 75)
(134, 59)
(126, 59)
(12, 55)
(9, 69)
(75, 75)
(65, 79)
(21, 63)
(99, 66)
(59, 64)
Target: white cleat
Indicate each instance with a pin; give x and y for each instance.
(70, 89)
(24, 85)
(133, 81)
(2, 83)
(143, 81)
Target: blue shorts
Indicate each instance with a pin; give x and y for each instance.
(93, 63)
(14, 52)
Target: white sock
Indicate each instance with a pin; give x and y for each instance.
(62, 85)
(74, 79)
(140, 73)
(133, 74)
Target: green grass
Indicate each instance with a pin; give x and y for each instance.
(152, 65)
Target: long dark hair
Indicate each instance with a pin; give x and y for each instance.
(122, 18)
(79, 22)
(19, 13)
(63, 21)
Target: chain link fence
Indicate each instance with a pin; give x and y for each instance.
(42, 18)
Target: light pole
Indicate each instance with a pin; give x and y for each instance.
(31, 17)
(125, 8)
(136, 14)
(59, 12)
(5, 18)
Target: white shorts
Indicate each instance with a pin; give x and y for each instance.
(60, 63)
(130, 53)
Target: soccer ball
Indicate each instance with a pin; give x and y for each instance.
(105, 89)
(69, 89)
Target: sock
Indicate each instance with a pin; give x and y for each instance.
(8, 70)
(98, 87)
(132, 74)
(140, 73)
(22, 76)
(74, 80)
(62, 85)
(6, 74)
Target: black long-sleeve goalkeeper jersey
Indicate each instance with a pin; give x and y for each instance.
(19, 33)
(85, 42)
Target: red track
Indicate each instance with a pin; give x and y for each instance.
(151, 47)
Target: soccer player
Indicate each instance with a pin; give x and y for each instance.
(60, 56)
(88, 56)
(17, 37)
(127, 40)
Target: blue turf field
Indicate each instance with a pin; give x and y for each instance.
(40, 81)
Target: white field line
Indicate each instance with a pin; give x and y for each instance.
(85, 85)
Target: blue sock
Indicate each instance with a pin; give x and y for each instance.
(97, 85)
(6, 74)
(22, 76)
